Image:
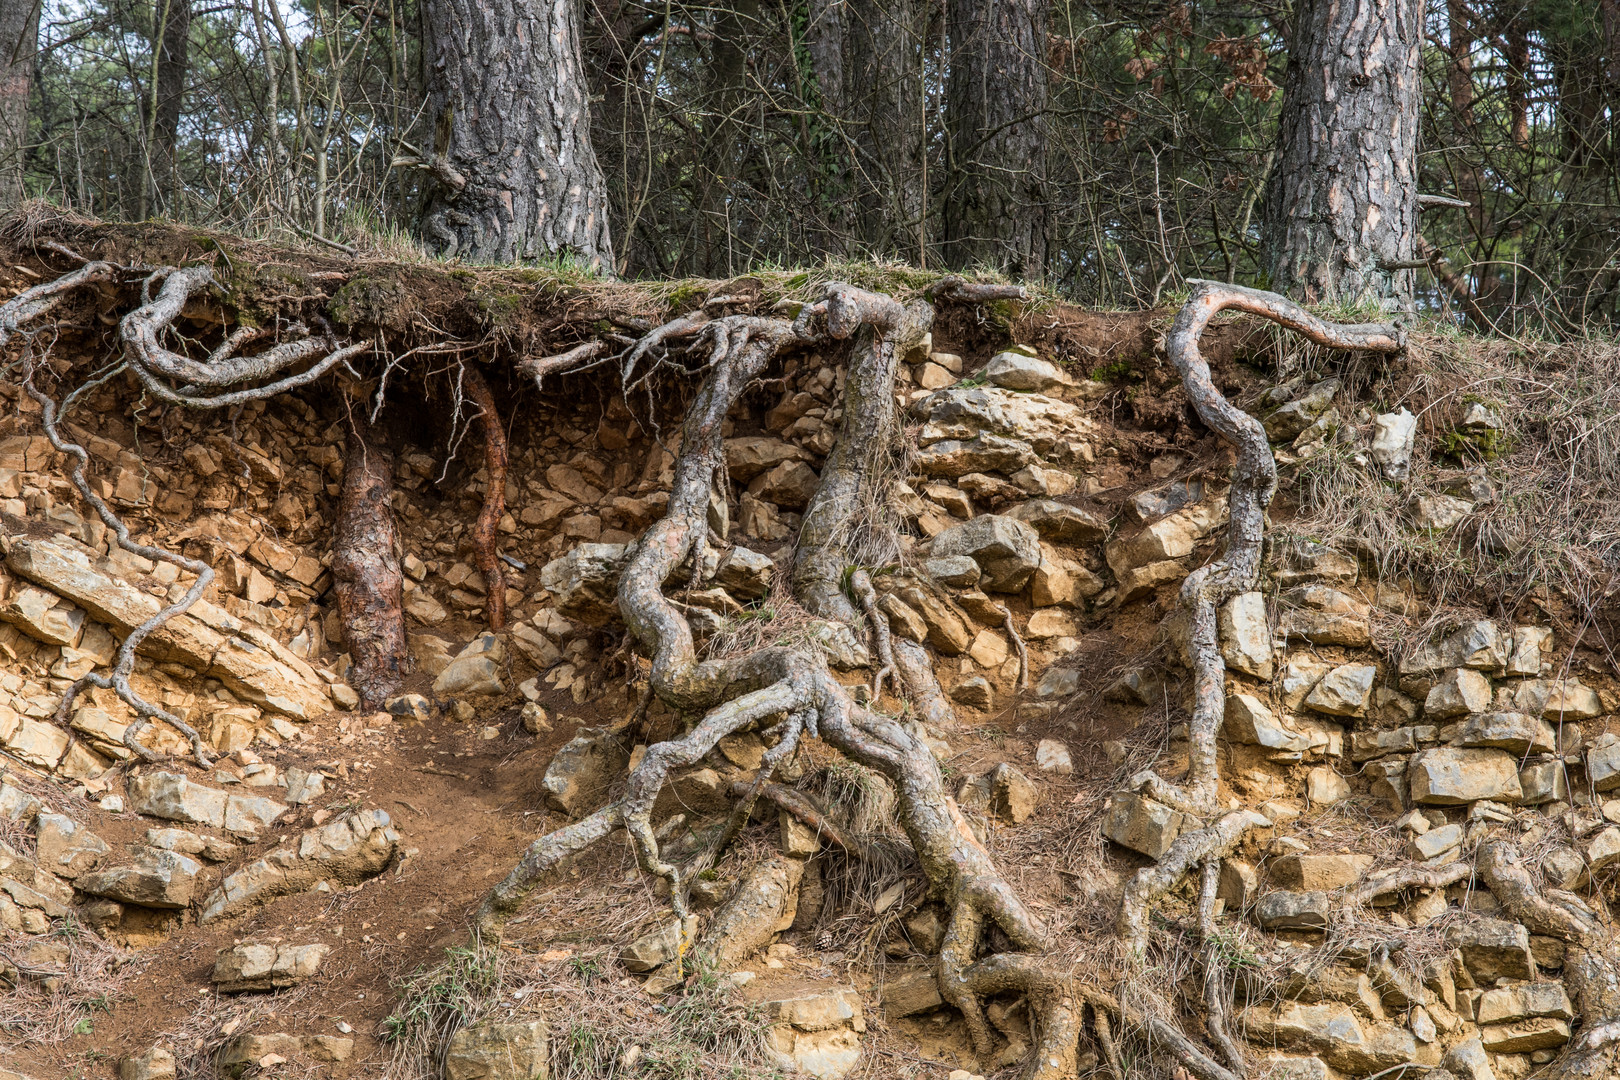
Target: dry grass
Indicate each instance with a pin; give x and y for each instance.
(1555, 465)
(57, 998)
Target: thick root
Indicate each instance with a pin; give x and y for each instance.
(486, 533)
(1254, 482)
(365, 571)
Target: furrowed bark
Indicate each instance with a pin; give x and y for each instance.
(517, 178)
(1342, 198)
(486, 533)
(365, 570)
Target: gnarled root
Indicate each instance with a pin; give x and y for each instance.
(1153, 882)
(792, 686)
(1591, 959)
(1254, 482)
(486, 532)
(365, 571)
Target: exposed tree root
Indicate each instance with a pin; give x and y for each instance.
(1254, 482)
(366, 573)
(486, 533)
(153, 364)
(1591, 963)
(1151, 883)
(860, 583)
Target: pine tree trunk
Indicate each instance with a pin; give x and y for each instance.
(995, 203)
(1342, 200)
(19, 37)
(517, 179)
(883, 72)
(173, 57)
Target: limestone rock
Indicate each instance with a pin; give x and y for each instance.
(245, 1051)
(1330, 1030)
(65, 848)
(582, 769)
(1477, 644)
(1319, 873)
(903, 618)
(1249, 720)
(1435, 843)
(1303, 562)
(1015, 371)
(1137, 822)
(1569, 699)
(958, 570)
(984, 453)
(344, 851)
(1467, 1061)
(475, 671)
(1531, 644)
(585, 582)
(155, 878)
(499, 1050)
(912, 992)
(1053, 757)
(43, 615)
(1012, 794)
(1282, 910)
(763, 905)
(1344, 691)
(1516, 733)
(945, 629)
(1506, 1004)
(790, 485)
(1493, 949)
(1245, 635)
(254, 966)
(1459, 692)
(1286, 423)
(1139, 581)
(1450, 776)
(1042, 425)
(1604, 849)
(745, 573)
(1603, 763)
(1050, 623)
(174, 798)
(973, 692)
(1392, 443)
(749, 456)
(1006, 549)
(1324, 786)
(1524, 1036)
(1542, 782)
(157, 1063)
(815, 1034)
(1061, 523)
(657, 947)
(1436, 513)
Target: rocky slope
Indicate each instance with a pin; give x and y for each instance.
(296, 885)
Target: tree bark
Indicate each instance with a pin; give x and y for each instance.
(366, 572)
(995, 206)
(882, 65)
(173, 57)
(19, 41)
(1342, 199)
(516, 176)
(486, 534)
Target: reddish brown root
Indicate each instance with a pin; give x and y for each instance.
(486, 533)
(366, 572)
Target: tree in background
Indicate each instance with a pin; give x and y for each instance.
(515, 176)
(996, 199)
(171, 37)
(19, 37)
(1341, 205)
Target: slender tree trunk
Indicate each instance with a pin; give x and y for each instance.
(1342, 200)
(882, 65)
(19, 41)
(1460, 81)
(173, 49)
(995, 205)
(1518, 82)
(516, 176)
